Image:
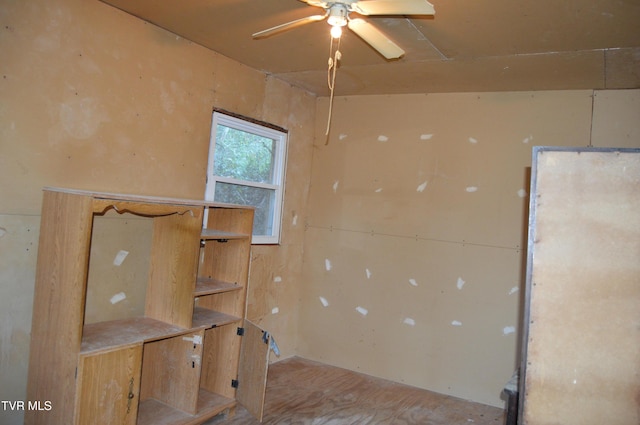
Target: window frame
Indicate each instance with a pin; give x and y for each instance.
(263, 129)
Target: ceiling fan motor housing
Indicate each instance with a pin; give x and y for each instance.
(338, 14)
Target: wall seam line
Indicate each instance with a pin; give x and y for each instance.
(415, 237)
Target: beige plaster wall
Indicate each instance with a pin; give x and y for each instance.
(414, 257)
(93, 98)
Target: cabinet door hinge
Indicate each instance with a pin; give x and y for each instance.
(234, 383)
(240, 331)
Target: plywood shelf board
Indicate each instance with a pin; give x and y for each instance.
(208, 286)
(153, 412)
(104, 336)
(213, 234)
(206, 318)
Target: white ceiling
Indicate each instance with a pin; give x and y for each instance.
(469, 45)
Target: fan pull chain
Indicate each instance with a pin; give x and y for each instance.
(331, 80)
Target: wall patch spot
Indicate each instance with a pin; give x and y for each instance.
(342, 136)
(514, 290)
(422, 186)
(409, 321)
(118, 297)
(522, 193)
(471, 189)
(82, 118)
(294, 220)
(3, 231)
(324, 301)
(526, 140)
(335, 186)
(382, 138)
(460, 283)
(327, 264)
(378, 190)
(473, 141)
(413, 282)
(120, 256)
(362, 310)
(426, 136)
(508, 330)
(368, 272)
(456, 323)
(275, 310)
(277, 279)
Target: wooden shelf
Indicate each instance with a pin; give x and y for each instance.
(207, 286)
(153, 412)
(184, 340)
(104, 336)
(206, 318)
(213, 234)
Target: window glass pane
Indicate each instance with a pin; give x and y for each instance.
(243, 156)
(262, 199)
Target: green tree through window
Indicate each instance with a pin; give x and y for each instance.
(246, 167)
(243, 155)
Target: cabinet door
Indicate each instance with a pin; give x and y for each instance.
(108, 387)
(252, 371)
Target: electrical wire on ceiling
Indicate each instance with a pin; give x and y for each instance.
(334, 58)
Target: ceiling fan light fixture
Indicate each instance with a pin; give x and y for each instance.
(337, 15)
(336, 31)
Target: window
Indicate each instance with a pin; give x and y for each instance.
(246, 167)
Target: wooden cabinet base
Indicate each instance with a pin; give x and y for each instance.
(176, 358)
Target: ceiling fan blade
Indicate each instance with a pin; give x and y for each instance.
(394, 7)
(375, 38)
(289, 25)
(317, 3)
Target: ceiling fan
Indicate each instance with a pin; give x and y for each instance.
(337, 15)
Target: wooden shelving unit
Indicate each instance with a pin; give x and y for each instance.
(178, 363)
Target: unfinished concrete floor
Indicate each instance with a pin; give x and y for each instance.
(304, 392)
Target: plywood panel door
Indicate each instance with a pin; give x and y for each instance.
(582, 349)
(252, 371)
(108, 387)
(220, 356)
